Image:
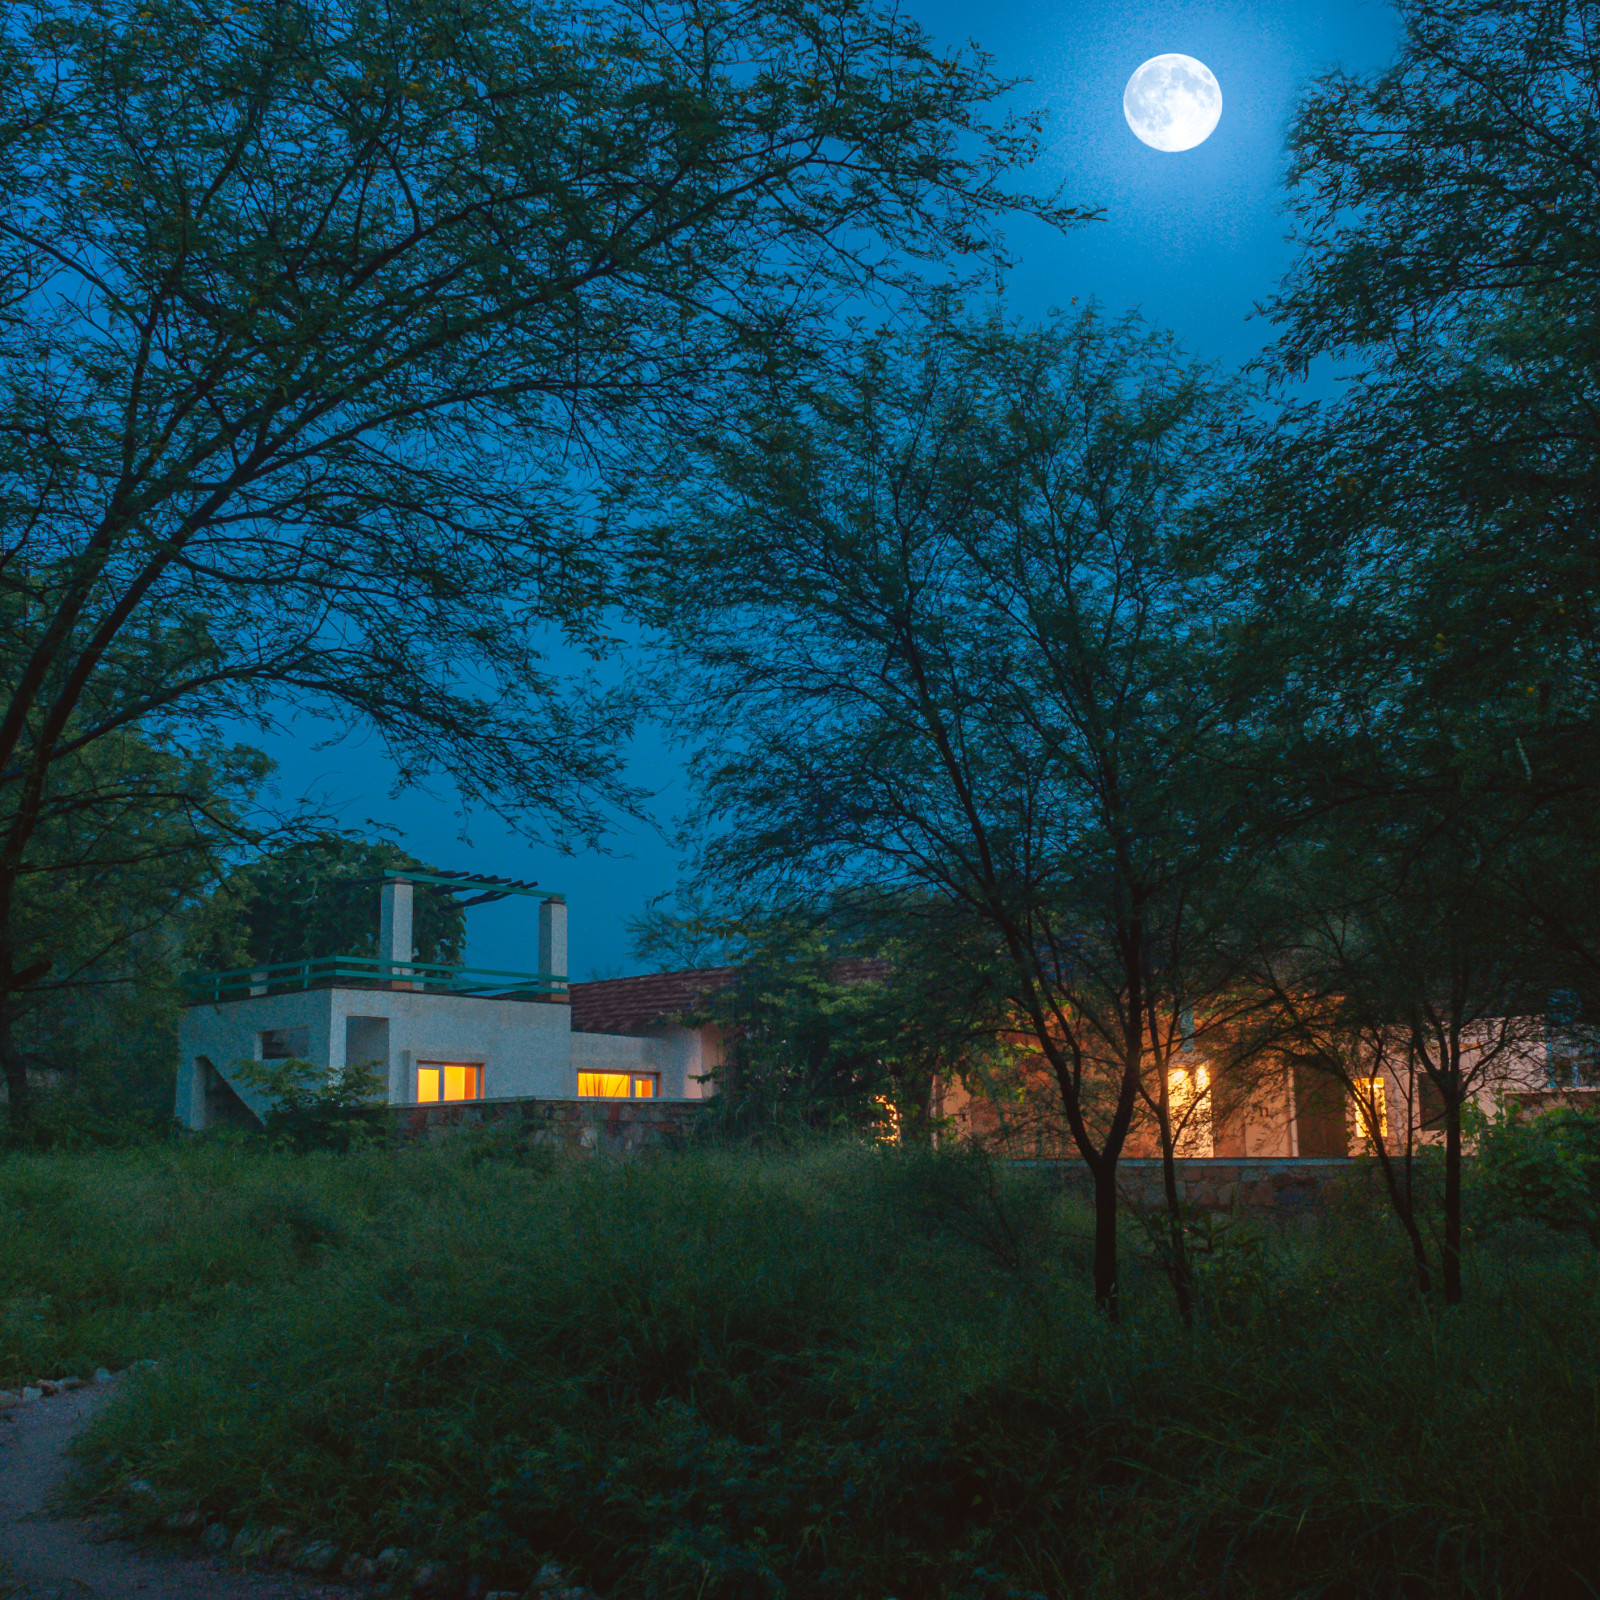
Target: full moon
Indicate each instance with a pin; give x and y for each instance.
(1172, 102)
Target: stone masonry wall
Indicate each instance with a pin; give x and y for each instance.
(1283, 1188)
(613, 1126)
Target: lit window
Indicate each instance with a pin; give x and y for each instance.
(1371, 1107)
(1189, 1104)
(618, 1086)
(448, 1080)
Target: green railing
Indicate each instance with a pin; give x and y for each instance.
(367, 972)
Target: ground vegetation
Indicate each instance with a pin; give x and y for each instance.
(839, 1371)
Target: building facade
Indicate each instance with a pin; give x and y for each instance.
(435, 1034)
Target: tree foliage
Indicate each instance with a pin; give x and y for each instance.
(1444, 211)
(1543, 1168)
(319, 897)
(320, 320)
(960, 626)
(131, 842)
(834, 1021)
(311, 1110)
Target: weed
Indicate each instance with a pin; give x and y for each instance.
(828, 1371)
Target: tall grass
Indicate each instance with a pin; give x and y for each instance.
(843, 1372)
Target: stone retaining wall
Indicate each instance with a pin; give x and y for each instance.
(1275, 1187)
(1280, 1187)
(614, 1126)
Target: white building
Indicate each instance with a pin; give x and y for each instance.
(435, 1033)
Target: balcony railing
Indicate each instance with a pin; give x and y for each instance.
(367, 972)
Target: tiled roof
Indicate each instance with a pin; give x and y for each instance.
(635, 1005)
(632, 1005)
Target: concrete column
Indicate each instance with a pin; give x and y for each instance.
(400, 1077)
(553, 940)
(394, 923)
(192, 1092)
(336, 1040)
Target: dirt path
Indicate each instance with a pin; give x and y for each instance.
(49, 1557)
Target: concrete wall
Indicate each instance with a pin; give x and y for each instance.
(527, 1049)
(680, 1055)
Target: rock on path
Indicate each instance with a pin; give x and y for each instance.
(49, 1557)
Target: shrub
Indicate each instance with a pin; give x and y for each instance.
(313, 1110)
(1542, 1168)
(840, 1371)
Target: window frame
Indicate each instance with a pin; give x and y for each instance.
(634, 1080)
(441, 1067)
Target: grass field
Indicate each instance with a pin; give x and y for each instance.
(840, 1372)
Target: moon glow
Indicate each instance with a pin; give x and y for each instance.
(1172, 102)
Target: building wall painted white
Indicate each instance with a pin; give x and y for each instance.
(527, 1049)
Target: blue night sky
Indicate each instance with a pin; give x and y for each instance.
(1192, 239)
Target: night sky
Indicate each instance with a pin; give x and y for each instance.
(1192, 239)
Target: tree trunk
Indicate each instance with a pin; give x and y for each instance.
(19, 1109)
(1178, 1268)
(1402, 1199)
(1451, 1254)
(1107, 1287)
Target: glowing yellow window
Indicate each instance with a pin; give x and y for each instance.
(604, 1086)
(1371, 1106)
(448, 1080)
(618, 1086)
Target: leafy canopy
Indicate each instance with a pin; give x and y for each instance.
(320, 898)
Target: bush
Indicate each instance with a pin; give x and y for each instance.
(837, 1372)
(311, 1110)
(1543, 1168)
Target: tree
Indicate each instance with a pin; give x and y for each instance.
(1448, 502)
(133, 838)
(1391, 970)
(322, 317)
(1443, 209)
(833, 1019)
(975, 663)
(319, 897)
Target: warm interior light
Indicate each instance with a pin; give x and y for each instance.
(449, 1080)
(644, 1088)
(1371, 1105)
(603, 1086)
(889, 1129)
(1189, 1102)
(463, 1082)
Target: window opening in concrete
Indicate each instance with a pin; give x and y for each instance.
(285, 1044)
(449, 1080)
(366, 1044)
(1189, 1098)
(619, 1085)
